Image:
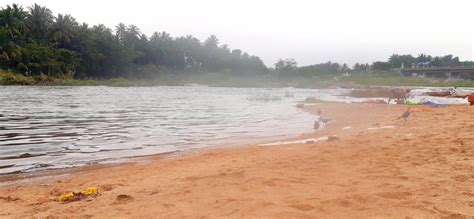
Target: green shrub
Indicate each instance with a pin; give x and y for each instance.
(8, 78)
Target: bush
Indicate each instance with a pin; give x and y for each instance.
(8, 78)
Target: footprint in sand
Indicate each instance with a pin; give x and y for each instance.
(461, 178)
(345, 203)
(395, 195)
(269, 183)
(302, 207)
(106, 187)
(273, 181)
(122, 199)
(9, 199)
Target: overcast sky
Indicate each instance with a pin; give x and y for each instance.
(311, 32)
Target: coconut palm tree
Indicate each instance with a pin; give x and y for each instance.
(12, 30)
(12, 20)
(38, 21)
(120, 31)
(132, 36)
(133, 30)
(63, 30)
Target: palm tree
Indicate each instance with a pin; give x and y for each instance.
(120, 31)
(133, 35)
(133, 30)
(63, 30)
(12, 29)
(39, 21)
(211, 42)
(128, 35)
(12, 20)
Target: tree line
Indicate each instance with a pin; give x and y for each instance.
(33, 42)
(289, 68)
(397, 61)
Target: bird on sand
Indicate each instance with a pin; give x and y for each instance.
(324, 120)
(406, 114)
(316, 125)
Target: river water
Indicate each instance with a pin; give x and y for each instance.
(58, 127)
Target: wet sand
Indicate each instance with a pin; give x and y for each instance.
(420, 168)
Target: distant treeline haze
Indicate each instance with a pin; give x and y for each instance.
(288, 67)
(35, 42)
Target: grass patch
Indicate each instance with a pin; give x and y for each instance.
(229, 80)
(8, 78)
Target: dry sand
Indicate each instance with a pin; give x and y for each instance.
(421, 168)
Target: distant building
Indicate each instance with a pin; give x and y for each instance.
(421, 65)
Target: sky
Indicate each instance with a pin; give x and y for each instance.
(310, 31)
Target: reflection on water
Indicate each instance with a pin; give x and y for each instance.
(56, 127)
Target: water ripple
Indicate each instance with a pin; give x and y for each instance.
(57, 127)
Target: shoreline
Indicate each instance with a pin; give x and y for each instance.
(407, 170)
(377, 79)
(24, 178)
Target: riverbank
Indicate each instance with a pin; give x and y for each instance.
(9, 79)
(225, 80)
(380, 167)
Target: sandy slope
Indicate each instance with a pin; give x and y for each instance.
(420, 168)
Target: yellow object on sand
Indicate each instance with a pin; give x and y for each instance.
(89, 191)
(66, 197)
(75, 196)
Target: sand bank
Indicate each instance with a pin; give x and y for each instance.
(420, 168)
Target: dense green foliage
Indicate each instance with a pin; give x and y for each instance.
(35, 42)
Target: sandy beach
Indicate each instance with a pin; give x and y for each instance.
(381, 167)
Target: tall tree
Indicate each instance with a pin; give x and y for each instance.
(63, 30)
(286, 67)
(12, 20)
(39, 21)
(12, 31)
